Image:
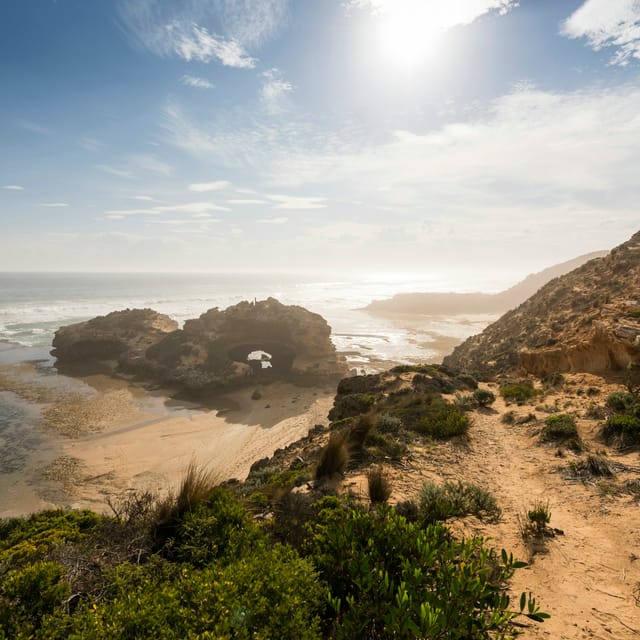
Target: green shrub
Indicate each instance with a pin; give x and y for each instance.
(28, 539)
(622, 430)
(386, 446)
(393, 579)
(271, 594)
(28, 595)
(378, 485)
(216, 529)
(559, 427)
(484, 397)
(388, 424)
(620, 401)
(456, 500)
(464, 401)
(436, 418)
(519, 392)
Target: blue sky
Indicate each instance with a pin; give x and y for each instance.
(375, 137)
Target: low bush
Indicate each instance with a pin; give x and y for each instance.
(560, 427)
(456, 500)
(436, 418)
(592, 466)
(387, 423)
(622, 430)
(620, 401)
(484, 397)
(383, 445)
(389, 578)
(270, 594)
(519, 392)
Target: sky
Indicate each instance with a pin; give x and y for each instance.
(378, 138)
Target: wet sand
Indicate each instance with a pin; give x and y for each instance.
(75, 441)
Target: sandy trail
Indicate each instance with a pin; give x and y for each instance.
(585, 577)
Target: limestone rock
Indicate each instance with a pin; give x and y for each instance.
(123, 336)
(211, 351)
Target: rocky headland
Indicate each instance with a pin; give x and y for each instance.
(452, 303)
(210, 352)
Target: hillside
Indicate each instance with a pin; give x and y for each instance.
(457, 303)
(585, 321)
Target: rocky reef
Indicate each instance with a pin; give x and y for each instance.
(586, 321)
(240, 345)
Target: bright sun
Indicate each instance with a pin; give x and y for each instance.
(409, 31)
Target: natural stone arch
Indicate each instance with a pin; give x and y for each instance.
(282, 355)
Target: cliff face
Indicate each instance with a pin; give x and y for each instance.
(585, 321)
(212, 350)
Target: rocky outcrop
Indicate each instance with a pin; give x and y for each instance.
(586, 321)
(121, 336)
(212, 351)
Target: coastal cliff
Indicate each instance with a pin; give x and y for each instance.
(586, 321)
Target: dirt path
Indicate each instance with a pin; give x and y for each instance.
(584, 577)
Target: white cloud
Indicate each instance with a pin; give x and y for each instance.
(203, 30)
(115, 171)
(274, 91)
(298, 202)
(196, 82)
(446, 13)
(144, 198)
(34, 127)
(246, 201)
(13, 187)
(272, 220)
(192, 42)
(608, 23)
(216, 185)
(54, 205)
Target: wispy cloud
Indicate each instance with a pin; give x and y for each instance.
(54, 205)
(191, 208)
(298, 202)
(192, 42)
(34, 127)
(246, 201)
(151, 164)
(115, 171)
(608, 23)
(274, 91)
(216, 185)
(196, 82)
(143, 198)
(272, 220)
(91, 144)
(13, 187)
(203, 30)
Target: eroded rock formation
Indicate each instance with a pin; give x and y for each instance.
(123, 336)
(213, 350)
(586, 321)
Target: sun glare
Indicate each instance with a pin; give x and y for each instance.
(409, 32)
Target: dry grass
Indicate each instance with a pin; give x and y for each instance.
(379, 485)
(334, 458)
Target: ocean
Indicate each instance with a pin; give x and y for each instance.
(34, 305)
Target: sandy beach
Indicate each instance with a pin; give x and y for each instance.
(75, 441)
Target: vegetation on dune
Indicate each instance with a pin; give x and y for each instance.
(519, 392)
(351, 572)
